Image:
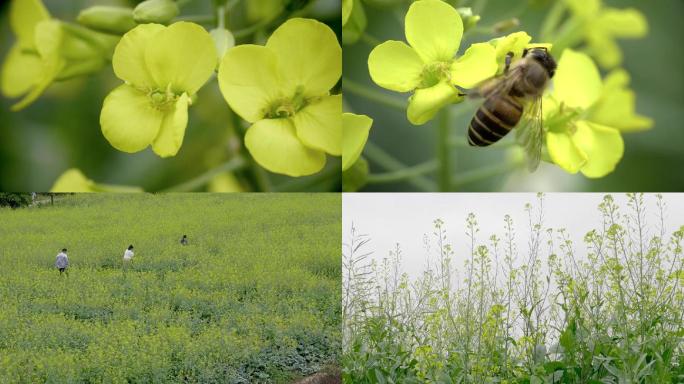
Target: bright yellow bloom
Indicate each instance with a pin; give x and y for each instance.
(355, 129)
(73, 180)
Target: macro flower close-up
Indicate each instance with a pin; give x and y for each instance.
(426, 65)
(585, 116)
(283, 90)
(163, 68)
(47, 50)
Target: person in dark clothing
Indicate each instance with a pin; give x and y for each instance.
(184, 240)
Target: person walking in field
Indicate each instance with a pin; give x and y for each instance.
(128, 255)
(184, 240)
(62, 261)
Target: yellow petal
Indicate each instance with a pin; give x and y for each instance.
(319, 125)
(625, 23)
(24, 16)
(129, 55)
(604, 48)
(577, 82)
(20, 71)
(183, 55)
(128, 120)
(426, 102)
(309, 55)
(602, 145)
(434, 29)
(396, 66)
(249, 80)
(355, 134)
(275, 146)
(73, 180)
(564, 152)
(477, 64)
(170, 136)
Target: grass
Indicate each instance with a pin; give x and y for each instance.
(254, 298)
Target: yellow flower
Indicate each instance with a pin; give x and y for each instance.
(585, 116)
(355, 129)
(283, 89)
(427, 66)
(73, 180)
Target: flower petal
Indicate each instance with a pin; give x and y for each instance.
(602, 145)
(170, 136)
(249, 80)
(183, 56)
(626, 23)
(347, 7)
(616, 109)
(275, 146)
(564, 152)
(577, 82)
(426, 102)
(24, 16)
(19, 72)
(129, 55)
(308, 54)
(434, 29)
(319, 125)
(73, 180)
(128, 120)
(396, 66)
(514, 42)
(477, 64)
(604, 49)
(355, 129)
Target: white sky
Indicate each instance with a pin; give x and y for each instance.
(406, 217)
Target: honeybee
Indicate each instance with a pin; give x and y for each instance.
(514, 100)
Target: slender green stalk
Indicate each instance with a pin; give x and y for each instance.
(403, 174)
(370, 40)
(553, 18)
(483, 173)
(443, 151)
(233, 165)
(199, 19)
(221, 16)
(361, 90)
(385, 160)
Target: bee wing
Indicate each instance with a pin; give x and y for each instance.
(530, 133)
(500, 85)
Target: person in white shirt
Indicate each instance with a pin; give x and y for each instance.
(128, 254)
(62, 261)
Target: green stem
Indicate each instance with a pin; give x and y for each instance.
(553, 18)
(403, 174)
(234, 164)
(221, 16)
(443, 151)
(483, 173)
(199, 19)
(302, 183)
(388, 162)
(371, 94)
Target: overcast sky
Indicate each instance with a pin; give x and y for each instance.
(406, 217)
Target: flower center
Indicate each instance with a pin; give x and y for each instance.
(162, 99)
(287, 106)
(433, 73)
(563, 119)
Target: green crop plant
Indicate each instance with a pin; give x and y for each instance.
(253, 298)
(611, 311)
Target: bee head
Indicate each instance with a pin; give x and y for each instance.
(542, 56)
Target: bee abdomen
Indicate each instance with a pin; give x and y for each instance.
(493, 120)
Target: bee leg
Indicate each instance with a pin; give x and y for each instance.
(509, 57)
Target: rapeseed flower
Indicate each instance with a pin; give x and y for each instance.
(73, 180)
(163, 68)
(427, 65)
(47, 50)
(283, 89)
(585, 116)
(355, 129)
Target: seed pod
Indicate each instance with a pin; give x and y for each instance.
(116, 20)
(155, 11)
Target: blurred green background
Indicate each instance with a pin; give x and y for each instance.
(652, 159)
(61, 130)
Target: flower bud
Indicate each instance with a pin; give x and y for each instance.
(116, 20)
(223, 40)
(155, 11)
(469, 20)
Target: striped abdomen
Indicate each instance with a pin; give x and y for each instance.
(493, 120)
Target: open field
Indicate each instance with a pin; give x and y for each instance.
(254, 297)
